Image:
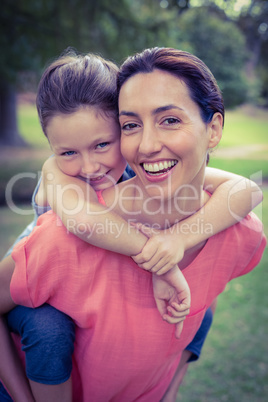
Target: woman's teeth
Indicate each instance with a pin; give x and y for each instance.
(160, 167)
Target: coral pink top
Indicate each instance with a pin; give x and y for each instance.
(124, 351)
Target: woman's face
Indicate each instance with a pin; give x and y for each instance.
(164, 139)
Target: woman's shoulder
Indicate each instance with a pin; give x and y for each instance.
(241, 246)
(248, 231)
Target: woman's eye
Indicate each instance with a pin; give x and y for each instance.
(68, 153)
(102, 145)
(171, 121)
(129, 126)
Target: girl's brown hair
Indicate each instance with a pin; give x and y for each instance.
(73, 81)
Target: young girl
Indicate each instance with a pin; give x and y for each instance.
(83, 134)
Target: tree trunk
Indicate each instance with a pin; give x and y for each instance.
(9, 133)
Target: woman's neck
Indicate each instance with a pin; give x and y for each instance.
(132, 202)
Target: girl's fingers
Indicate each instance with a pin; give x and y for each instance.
(144, 260)
(177, 314)
(180, 307)
(173, 320)
(178, 330)
(165, 268)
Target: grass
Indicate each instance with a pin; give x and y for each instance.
(234, 362)
(245, 126)
(257, 170)
(246, 129)
(29, 126)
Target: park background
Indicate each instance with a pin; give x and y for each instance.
(232, 38)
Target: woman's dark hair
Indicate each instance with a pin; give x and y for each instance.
(203, 88)
(73, 81)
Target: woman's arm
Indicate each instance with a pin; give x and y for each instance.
(7, 267)
(11, 370)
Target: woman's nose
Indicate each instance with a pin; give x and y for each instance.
(150, 141)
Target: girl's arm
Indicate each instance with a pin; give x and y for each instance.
(76, 203)
(11, 370)
(233, 197)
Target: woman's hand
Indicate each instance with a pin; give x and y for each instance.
(163, 250)
(172, 297)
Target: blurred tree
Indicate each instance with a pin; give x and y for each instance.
(253, 21)
(251, 16)
(32, 32)
(18, 52)
(207, 33)
(35, 31)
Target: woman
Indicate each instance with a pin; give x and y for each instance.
(124, 350)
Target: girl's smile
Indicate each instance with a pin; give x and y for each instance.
(86, 144)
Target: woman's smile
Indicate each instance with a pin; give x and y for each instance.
(159, 167)
(158, 171)
(163, 137)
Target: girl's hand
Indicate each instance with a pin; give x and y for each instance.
(163, 250)
(172, 297)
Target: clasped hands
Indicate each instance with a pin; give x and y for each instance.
(160, 255)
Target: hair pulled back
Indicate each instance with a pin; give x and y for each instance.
(202, 85)
(73, 81)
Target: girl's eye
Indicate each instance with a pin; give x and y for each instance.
(102, 145)
(171, 121)
(68, 153)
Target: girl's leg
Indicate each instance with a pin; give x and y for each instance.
(52, 393)
(47, 337)
(4, 397)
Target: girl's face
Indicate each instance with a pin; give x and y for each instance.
(163, 137)
(86, 145)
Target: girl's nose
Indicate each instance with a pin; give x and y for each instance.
(150, 142)
(90, 166)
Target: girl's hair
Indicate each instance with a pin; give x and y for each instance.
(200, 81)
(74, 81)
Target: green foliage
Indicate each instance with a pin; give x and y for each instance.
(32, 32)
(220, 44)
(263, 76)
(253, 21)
(24, 34)
(35, 31)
